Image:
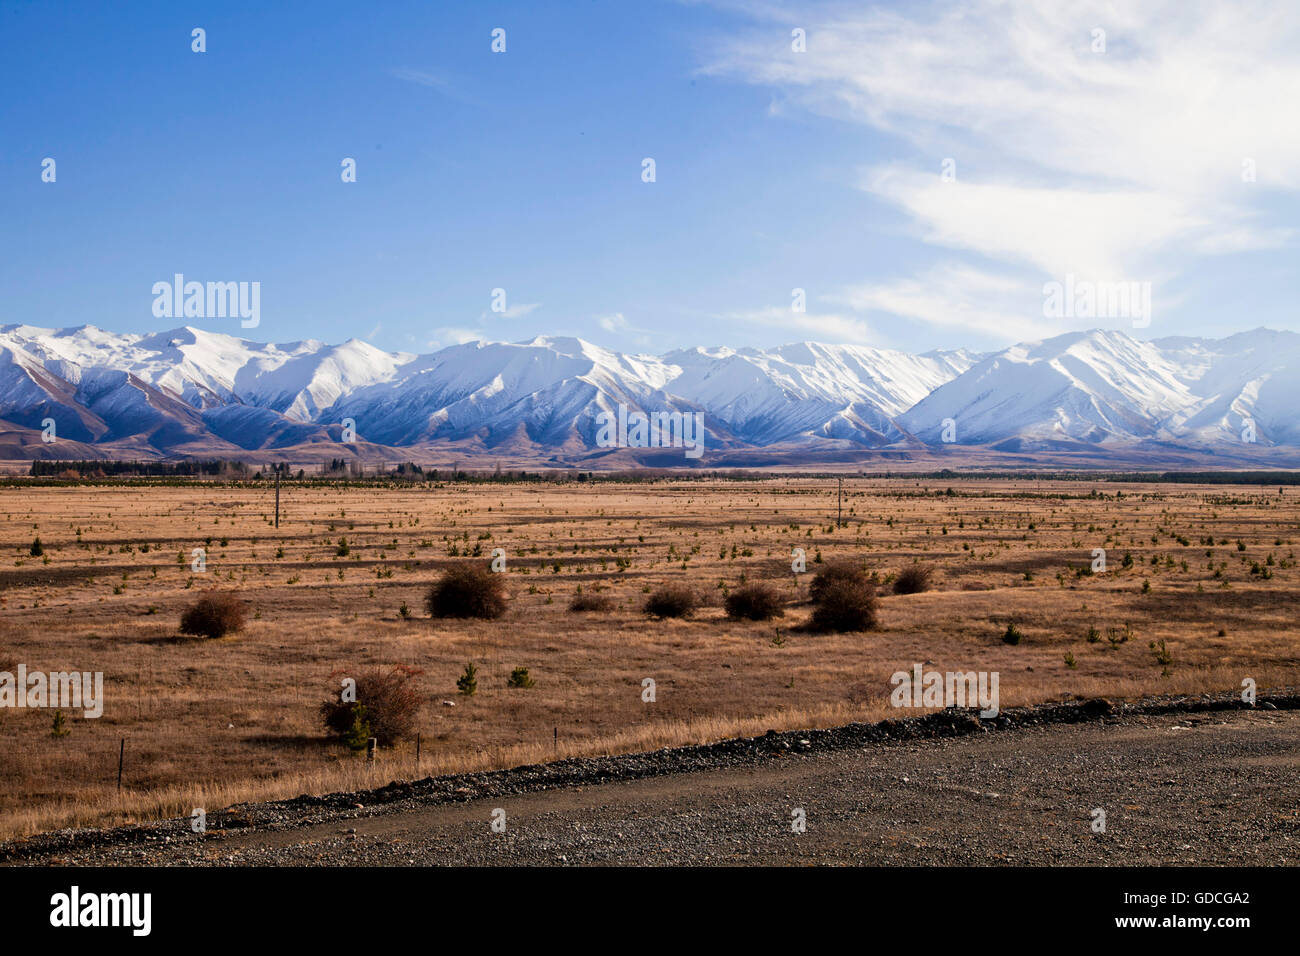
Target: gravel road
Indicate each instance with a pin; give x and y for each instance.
(1189, 781)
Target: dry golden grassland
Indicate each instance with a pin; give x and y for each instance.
(211, 722)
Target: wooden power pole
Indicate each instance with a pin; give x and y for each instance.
(277, 496)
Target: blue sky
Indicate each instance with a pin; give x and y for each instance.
(775, 169)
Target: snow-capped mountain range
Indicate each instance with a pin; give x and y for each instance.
(196, 392)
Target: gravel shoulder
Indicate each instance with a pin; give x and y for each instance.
(1185, 781)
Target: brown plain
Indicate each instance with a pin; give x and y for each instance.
(210, 723)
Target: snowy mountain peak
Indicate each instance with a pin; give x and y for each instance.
(1097, 389)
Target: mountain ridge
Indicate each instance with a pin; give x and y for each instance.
(188, 391)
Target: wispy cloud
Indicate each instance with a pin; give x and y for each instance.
(1122, 163)
(433, 81)
(824, 327)
(518, 311)
(614, 322)
(1097, 232)
(954, 296)
(453, 335)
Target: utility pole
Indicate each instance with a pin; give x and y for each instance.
(839, 505)
(277, 496)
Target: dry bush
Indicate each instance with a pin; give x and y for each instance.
(467, 590)
(844, 599)
(590, 602)
(846, 607)
(390, 699)
(833, 573)
(755, 602)
(215, 614)
(914, 579)
(672, 600)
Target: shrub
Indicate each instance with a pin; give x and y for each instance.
(754, 602)
(916, 578)
(1164, 657)
(467, 590)
(467, 682)
(386, 707)
(519, 678)
(837, 572)
(1012, 635)
(844, 598)
(589, 602)
(846, 605)
(37, 549)
(216, 614)
(357, 736)
(671, 600)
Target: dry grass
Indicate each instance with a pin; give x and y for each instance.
(210, 723)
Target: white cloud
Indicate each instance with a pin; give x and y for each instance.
(956, 296)
(1123, 164)
(1105, 234)
(1245, 240)
(616, 323)
(825, 327)
(512, 311)
(452, 335)
(1185, 90)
